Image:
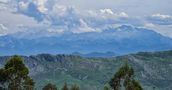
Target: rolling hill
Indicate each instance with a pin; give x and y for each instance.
(153, 69)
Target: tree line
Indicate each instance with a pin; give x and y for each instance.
(15, 76)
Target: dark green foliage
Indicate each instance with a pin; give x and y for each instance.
(29, 82)
(15, 75)
(50, 86)
(3, 76)
(124, 76)
(137, 85)
(75, 87)
(106, 88)
(1, 88)
(65, 87)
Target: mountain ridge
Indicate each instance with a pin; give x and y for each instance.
(153, 69)
(121, 40)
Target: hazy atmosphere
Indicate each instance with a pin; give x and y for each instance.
(85, 44)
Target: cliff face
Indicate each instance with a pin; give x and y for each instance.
(152, 69)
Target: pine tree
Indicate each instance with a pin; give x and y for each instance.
(50, 86)
(15, 75)
(75, 87)
(3, 78)
(65, 87)
(125, 75)
(106, 88)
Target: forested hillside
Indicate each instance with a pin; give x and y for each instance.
(153, 70)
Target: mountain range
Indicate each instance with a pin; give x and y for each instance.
(152, 69)
(95, 54)
(121, 40)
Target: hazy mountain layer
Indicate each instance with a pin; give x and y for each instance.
(121, 40)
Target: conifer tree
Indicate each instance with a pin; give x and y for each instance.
(65, 87)
(125, 76)
(75, 87)
(106, 88)
(50, 86)
(14, 76)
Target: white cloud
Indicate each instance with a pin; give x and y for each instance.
(123, 14)
(84, 28)
(41, 5)
(160, 19)
(113, 14)
(106, 11)
(149, 25)
(55, 31)
(57, 13)
(161, 16)
(164, 30)
(13, 23)
(2, 27)
(2, 7)
(4, 1)
(59, 10)
(23, 5)
(132, 7)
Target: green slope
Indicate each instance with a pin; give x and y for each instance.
(153, 70)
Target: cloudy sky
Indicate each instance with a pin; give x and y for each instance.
(54, 17)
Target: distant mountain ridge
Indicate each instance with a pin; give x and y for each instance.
(121, 40)
(153, 69)
(96, 54)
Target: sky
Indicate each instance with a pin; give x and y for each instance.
(55, 17)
